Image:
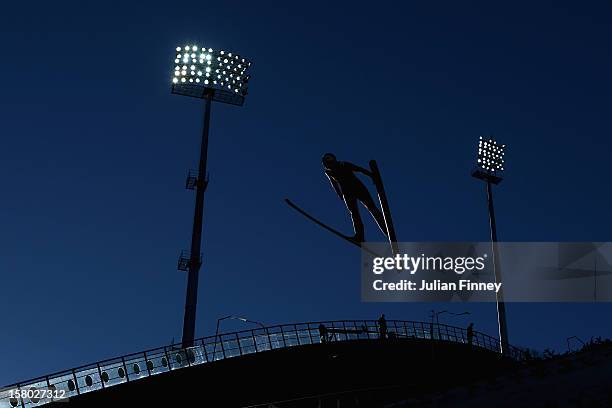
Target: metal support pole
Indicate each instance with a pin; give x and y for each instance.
(20, 397)
(146, 361)
(216, 335)
(254, 340)
(127, 377)
(168, 358)
(191, 300)
(205, 352)
(283, 336)
(297, 334)
(99, 374)
(238, 341)
(501, 307)
(269, 339)
(76, 382)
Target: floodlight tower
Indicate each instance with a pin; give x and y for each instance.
(490, 167)
(212, 75)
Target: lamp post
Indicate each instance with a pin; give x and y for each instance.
(242, 319)
(437, 316)
(490, 167)
(212, 75)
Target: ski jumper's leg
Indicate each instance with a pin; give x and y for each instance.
(351, 205)
(368, 202)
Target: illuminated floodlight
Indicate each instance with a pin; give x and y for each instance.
(490, 161)
(203, 72)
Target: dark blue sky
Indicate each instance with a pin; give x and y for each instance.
(95, 149)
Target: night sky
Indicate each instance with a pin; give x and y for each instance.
(94, 151)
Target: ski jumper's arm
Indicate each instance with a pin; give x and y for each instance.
(358, 169)
(334, 184)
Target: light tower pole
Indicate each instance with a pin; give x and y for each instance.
(490, 167)
(242, 319)
(211, 75)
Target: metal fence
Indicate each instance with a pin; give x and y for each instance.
(136, 366)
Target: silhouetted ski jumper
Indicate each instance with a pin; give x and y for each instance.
(350, 189)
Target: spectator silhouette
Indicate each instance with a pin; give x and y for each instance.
(470, 333)
(323, 333)
(382, 326)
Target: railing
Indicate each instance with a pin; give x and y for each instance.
(136, 366)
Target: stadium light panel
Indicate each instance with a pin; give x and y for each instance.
(227, 68)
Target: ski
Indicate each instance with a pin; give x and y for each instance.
(384, 204)
(328, 228)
